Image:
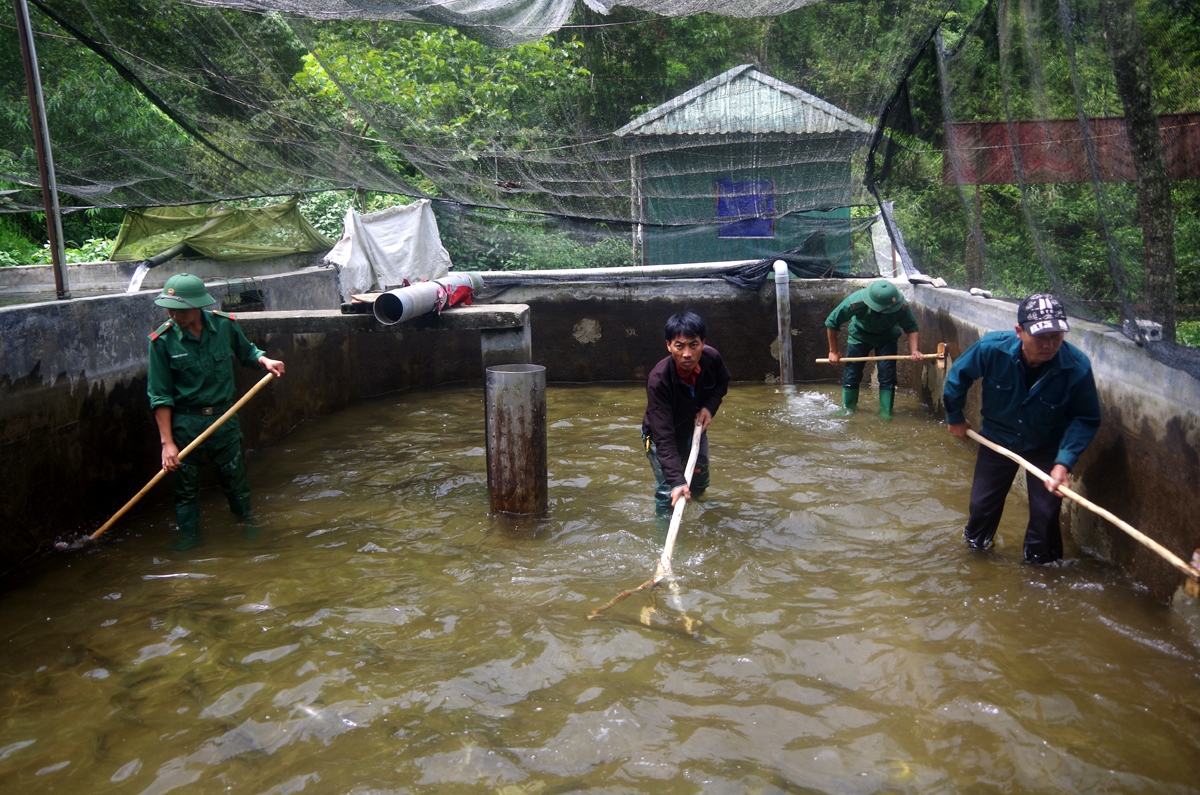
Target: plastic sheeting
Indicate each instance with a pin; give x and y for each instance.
(388, 248)
(230, 234)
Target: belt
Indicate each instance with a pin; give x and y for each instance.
(203, 411)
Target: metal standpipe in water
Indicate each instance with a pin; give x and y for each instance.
(405, 303)
(515, 412)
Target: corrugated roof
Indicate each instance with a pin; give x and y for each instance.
(744, 100)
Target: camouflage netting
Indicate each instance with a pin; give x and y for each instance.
(1026, 144)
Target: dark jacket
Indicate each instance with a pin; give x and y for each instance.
(671, 408)
(1062, 409)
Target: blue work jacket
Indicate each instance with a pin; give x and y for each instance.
(1062, 408)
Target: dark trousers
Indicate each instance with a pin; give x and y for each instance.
(224, 451)
(852, 375)
(993, 476)
(662, 489)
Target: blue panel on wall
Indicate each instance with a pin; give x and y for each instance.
(752, 203)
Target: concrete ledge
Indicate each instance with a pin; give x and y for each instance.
(114, 276)
(332, 321)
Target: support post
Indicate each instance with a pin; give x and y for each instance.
(636, 211)
(41, 135)
(515, 414)
(783, 303)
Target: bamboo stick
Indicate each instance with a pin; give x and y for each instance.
(1066, 491)
(662, 569)
(183, 453)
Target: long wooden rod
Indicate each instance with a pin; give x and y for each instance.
(663, 569)
(898, 358)
(183, 453)
(1066, 491)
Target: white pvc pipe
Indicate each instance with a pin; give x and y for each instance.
(699, 270)
(783, 304)
(405, 303)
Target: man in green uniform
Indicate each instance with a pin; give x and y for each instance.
(876, 314)
(190, 387)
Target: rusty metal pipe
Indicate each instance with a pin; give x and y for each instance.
(515, 414)
(45, 158)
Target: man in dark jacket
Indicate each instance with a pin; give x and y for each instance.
(1039, 400)
(683, 390)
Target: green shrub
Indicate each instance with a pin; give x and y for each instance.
(93, 250)
(1187, 332)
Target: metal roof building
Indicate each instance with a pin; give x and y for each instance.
(744, 100)
(700, 186)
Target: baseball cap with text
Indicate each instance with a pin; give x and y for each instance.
(1041, 313)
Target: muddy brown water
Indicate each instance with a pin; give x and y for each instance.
(383, 634)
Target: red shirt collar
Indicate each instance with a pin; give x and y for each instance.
(689, 378)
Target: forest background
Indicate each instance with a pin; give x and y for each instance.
(598, 73)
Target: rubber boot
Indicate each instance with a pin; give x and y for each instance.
(245, 517)
(887, 399)
(188, 517)
(849, 401)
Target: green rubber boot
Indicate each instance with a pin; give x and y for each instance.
(887, 399)
(849, 401)
(188, 517)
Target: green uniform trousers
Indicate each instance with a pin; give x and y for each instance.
(224, 451)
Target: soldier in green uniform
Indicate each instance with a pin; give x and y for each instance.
(876, 314)
(190, 386)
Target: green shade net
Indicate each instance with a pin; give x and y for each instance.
(231, 234)
(1025, 145)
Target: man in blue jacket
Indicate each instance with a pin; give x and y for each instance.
(1039, 400)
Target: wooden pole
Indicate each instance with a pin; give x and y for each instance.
(897, 358)
(183, 453)
(663, 569)
(1139, 536)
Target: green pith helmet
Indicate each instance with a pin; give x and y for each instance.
(184, 291)
(883, 296)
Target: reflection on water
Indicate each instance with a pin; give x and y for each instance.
(384, 634)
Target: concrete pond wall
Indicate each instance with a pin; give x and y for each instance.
(77, 437)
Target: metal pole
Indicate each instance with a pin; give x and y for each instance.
(783, 303)
(41, 133)
(515, 414)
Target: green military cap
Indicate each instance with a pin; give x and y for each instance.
(184, 291)
(883, 296)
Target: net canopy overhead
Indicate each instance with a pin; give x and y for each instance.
(1024, 145)
(172, 102)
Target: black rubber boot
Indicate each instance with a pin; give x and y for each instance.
(188, 517)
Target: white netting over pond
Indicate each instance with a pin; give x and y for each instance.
(1027, 145)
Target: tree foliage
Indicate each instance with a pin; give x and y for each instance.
(436, 82)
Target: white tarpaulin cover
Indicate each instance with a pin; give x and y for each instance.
(387, 247)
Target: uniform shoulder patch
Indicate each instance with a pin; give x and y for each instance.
(229, 315)
(158, 332)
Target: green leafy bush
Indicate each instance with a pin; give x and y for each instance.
(94, 249)
(1187, 332)
(326, 210)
